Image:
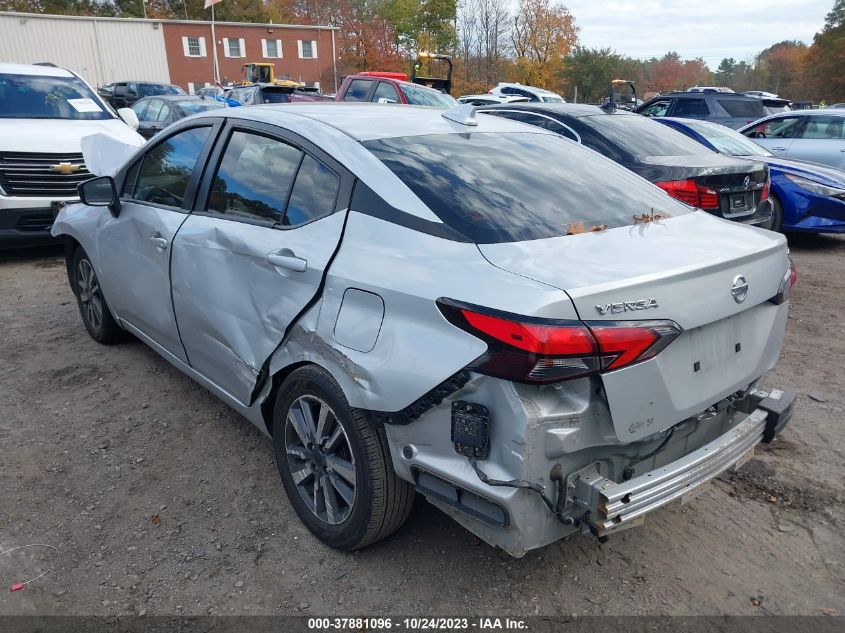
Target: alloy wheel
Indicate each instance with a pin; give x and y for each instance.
(90, 295)
(320, 459)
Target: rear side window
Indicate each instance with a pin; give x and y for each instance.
(519, 186)
(824, 127)
(314, 194)
(751, 108)
(691, 107)
(167, 168)
(254, 178)
(358, 89)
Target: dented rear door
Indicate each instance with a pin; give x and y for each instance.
(252, 255)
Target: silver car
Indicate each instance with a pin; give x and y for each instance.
(817, 136)
(405, 299)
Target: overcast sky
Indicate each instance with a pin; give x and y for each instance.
(712, 29)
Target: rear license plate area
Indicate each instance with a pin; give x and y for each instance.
(715, 344)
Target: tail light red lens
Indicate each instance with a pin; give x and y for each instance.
(529, 350)
(764, 195)
(691, 193)
(787, 283)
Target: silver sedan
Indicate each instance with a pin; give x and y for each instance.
(408, 300)
(817, 136)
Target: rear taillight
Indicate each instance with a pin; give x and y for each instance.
(529, 350)
(691, 193)
(787, 283)
(764, 195)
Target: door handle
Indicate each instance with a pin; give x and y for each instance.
(286, 259)
(158, 241)
(779, 149)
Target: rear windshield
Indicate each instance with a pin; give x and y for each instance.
(519, 186)
(39, 97)
(743, 107)
(418, 95)
(151, 90)
(642, 137)
(728, 141)
(190, 107)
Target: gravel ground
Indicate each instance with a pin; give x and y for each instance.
(161, 500)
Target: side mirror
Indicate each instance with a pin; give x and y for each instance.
(100, 192)
(129, 117)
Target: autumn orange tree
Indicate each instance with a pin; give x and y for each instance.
(543, 34)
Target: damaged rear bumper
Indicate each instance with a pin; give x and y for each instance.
(615, 506)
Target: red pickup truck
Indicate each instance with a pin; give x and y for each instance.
(383, 87)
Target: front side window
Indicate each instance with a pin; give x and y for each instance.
(785, 127)
(139, 107)
(535, 186)
(164, 114)
(41, 97)
(153, 110)
(691, 107)
(254, 178)
(386, 91)
(314, 194)
(358, 90)
(166, 169)
(823, 127)
(658, 108)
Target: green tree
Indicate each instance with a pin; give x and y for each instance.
(725, 72)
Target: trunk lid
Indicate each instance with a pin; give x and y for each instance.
(682, 269)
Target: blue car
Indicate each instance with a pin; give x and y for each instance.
(806, 196)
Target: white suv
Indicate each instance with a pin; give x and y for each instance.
(45, 112)
(534, 94)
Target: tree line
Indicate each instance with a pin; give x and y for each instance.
(531, 41)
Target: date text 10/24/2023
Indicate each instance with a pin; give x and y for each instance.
(376, 624)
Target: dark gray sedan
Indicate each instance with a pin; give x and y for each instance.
(156, 113)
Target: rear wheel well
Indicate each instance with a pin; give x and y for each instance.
(277, 379)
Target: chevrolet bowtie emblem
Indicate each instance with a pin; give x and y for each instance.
(65, 168)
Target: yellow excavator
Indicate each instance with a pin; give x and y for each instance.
(265, 73)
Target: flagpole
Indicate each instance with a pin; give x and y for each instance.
(214, 49)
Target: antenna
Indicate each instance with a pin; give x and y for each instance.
(463, 114)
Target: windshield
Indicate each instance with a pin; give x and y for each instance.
(151, 90)
(552, 99)
(194, 107)
(642, 137)
(418, 95)
(39, 97)
(727, 141)
(519, 186)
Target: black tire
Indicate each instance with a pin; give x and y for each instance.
(380, 501)
(777, 215)
(95, 312)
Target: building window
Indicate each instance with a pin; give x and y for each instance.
(272, 49)
(193, 46)
(307, 49)
(234, 47)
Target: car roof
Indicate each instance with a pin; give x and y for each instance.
(525, 87)
(714, 95)
(34, 69)
(170, 97)
(576, 110)
(356, 120)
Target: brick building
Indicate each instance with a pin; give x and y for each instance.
(104, 50)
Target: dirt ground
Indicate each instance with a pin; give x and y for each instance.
(161, 500)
